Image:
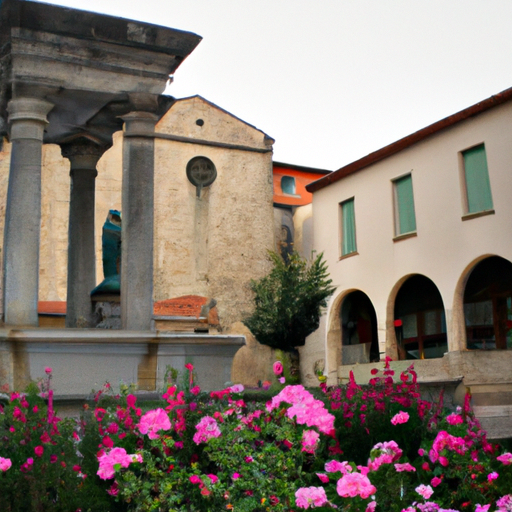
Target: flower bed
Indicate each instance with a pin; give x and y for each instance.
(377, 447)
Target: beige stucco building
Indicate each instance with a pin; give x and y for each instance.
(416, 236)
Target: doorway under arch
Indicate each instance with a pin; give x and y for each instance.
(359, 337)
(488, 304)
(419, 317)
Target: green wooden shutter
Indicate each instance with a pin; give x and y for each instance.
(348, 229)
(406, 218)
(478, 187)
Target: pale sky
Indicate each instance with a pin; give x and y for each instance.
(333, 80)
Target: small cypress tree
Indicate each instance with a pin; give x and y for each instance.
(289, 300)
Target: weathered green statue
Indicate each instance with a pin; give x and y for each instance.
(111, 245)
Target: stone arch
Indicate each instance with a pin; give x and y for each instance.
(358, 309)
(417, 316)
(482, 303)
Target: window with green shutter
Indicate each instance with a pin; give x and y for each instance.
(348, 227)
(476, 175)
(405, 218)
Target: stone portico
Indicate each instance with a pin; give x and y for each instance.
(73, 78)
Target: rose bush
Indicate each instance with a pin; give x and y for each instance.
(357, 448)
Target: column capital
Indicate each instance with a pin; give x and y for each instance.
(27, 118)
(139, 123)
(83, 153)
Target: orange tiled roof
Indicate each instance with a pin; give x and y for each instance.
(187, 305)
(51, 307)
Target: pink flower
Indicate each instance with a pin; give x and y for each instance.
(310, 441)
(436, 481)
(206, 429)
(282, 380)
(404, 467)
(310, 496)
(195, 479)
(53, 459)
(334, 466)
(277, 367)
(213, 478)
(425, 491)
(189, 367)
(355, 484)
(323, 477)
(109, 460)
(482, 508)
(401, 417)
(492, 476)
(236, 476)
(5, 464)
(195, 390)
(237, 388)
(371, 506)
(249, 459)
(39, 450)
(48, 370)
(153, 421)
(454, 419)
(506, 458)
(113, 491)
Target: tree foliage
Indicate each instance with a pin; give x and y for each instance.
(288, 301)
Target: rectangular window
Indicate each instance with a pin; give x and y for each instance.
(476, 176)
(405, 218)
(348, 227)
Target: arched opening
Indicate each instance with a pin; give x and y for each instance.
(488, 304)
(359, 336)
(420, 323)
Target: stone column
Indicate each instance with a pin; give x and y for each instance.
(137, 221)
(83, 155)
(27, 119)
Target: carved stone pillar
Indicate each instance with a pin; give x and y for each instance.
(83, 155)
(27, 119)
(137, 225)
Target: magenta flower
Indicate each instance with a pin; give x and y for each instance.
(5, 464)
(401, 417)
(195, 479)
(236, 476)
(306, 497)
(454, 419)
(404, 467)
(213, 478)
(371, 506)
(39, 450)
(323, 477)
(355, 484)
(492, 476)
(277, 367)
(237, 388)
(48, 370)
(154, 421)
(482, 508)
(504, 503)
(436, 481)
(506, 458)
(424, 491)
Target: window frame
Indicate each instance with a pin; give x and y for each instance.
(468, 211)
(342, 234)
(398, 207)
(290, 179)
